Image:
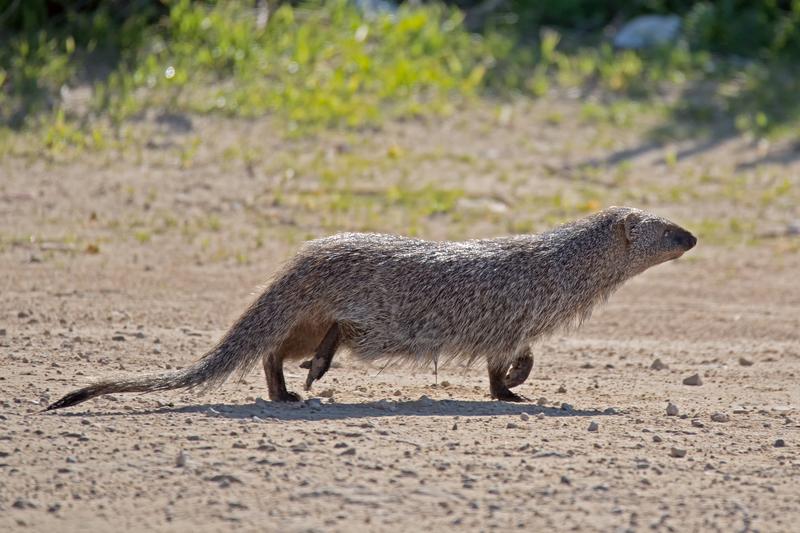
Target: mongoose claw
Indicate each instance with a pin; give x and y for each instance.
(519, 371)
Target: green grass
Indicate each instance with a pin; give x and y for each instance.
(327, 65)
(321, 65)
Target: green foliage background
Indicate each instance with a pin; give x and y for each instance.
(327, 64)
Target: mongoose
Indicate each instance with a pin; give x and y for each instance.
(385, 297)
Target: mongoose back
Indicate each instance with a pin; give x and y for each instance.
(386, 297)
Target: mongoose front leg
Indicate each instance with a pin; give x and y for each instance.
(276, 384)
(323, 357)
(520, 369)
(497, 385)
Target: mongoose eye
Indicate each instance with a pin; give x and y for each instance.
(667, 233)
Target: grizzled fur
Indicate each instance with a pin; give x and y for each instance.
(385, 297)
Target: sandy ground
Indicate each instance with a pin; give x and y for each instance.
(384, 449)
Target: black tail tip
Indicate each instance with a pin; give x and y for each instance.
(73, 398)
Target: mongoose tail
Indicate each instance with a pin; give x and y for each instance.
(209, 371)
(258, 331)
(174, 380)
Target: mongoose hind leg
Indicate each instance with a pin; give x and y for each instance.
(323, 356)
(520, 370)
(276, 384)
(498, 388)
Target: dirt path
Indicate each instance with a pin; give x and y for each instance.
(385, 449)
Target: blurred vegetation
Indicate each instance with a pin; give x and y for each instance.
(766, 28)
(329, 64)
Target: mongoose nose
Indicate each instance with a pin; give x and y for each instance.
(689, 240)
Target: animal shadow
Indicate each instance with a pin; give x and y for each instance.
(263, 410)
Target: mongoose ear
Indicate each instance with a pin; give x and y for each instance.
(624, 227)
(629, 221)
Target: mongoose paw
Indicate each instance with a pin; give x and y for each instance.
(519, 371)
(508, 396)
(306, 364)
(287, 396)
(318, 368)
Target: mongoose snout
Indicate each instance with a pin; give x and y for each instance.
(687, 240)
(392, 298)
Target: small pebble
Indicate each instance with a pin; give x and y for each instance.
(349, 451)
(541, 401)
(524, 416)
(566, 407)
(386, 405)
(609, 411)
(745, 361)
(720, 417)
(561, 389)
(540, 416)
(118, 338)
(779, 443)
(24, 504)
(314, 403)
(511, 425)
(672, 409)
(677, 452)
(593, 426)
(658, 364)
(696, 423)
(180, 460)
(300, 447)
(693, 380)
(656, 438)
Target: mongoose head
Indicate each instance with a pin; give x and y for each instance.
(649, 239)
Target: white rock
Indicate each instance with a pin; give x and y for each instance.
(375, 7)
(648, 31)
